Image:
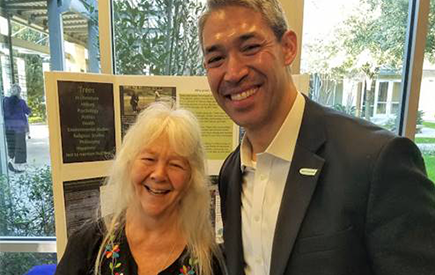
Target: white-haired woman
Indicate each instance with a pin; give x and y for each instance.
(161, 223)
(15, 112)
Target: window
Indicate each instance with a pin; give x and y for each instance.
(14, 263)
(381, 103)
(26, 200)
(363, 48)
(157, 38)
(395, 99)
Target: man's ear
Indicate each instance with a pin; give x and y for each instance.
(289, 44)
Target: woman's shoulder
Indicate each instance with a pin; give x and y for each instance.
(89, 230)
(82, 249)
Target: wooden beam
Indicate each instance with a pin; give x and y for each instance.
(26, 9)
(19, 2)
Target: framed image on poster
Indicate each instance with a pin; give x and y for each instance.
(134, 99)
(82, 200)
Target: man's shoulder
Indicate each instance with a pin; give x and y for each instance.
(338, 123)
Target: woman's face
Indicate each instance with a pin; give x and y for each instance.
(160, 178)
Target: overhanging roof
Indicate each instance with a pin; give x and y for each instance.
(34, 13)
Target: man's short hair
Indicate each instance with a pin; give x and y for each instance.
(271, 11)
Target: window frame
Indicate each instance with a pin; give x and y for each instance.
(411, 79)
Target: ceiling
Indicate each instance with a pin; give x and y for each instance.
(34, 13)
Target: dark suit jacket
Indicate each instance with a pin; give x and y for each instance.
(370, 209)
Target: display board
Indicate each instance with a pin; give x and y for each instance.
(88, 114)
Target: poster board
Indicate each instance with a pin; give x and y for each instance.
(88, 115)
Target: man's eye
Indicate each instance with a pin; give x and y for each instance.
(214, 60)
(251, 48)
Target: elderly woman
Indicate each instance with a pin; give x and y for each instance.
(161, 223)
(15, 112)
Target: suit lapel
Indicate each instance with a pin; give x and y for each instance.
(232, 226)
(300, 186)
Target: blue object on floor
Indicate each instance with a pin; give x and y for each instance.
(45, 269)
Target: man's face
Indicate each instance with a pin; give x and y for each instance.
(246, 66)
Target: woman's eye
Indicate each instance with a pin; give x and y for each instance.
(177, 165)
(148, 159)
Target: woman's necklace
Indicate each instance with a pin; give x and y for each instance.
(161, 265)
(165, 263)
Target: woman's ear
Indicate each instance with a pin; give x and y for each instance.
(289, 44)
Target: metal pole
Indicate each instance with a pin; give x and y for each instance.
(11, 53)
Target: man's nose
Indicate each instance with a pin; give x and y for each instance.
(236, 69)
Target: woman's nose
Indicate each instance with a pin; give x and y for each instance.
(159, 172)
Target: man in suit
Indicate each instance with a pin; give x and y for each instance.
(309, 191)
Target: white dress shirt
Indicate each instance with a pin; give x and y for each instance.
(262, 190)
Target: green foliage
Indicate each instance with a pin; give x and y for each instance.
(430, 166)
(27, 207)
(157, 37)
(379, 28)
(36, 119)
(35, 85)
(33, 67)
(419, 120)
(350, 110)
(429, 124)
(391, 124)
(20, 263)
(29, 34)
(424, 140)
(370, 41)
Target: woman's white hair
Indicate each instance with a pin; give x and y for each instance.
(180, 127)
(15, 90)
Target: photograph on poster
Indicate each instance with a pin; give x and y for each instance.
(136, 98)
(82, 202)
(87, 121)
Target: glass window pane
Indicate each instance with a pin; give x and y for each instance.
(383, 90)
(381, 109)
(21, 263)
(425, 132)
(396, 92)
(363, 48)
(157, 37)
(81, 41)
(26, 200)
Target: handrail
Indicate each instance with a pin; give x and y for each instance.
(28, 244)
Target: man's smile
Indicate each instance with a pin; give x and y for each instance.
(243, 95)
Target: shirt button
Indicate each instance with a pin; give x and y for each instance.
(257, 218)
(258, 260)
(262, 177)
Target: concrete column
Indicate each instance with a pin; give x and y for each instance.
(55, 28)
(93, 42)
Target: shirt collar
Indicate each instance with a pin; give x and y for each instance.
(284, 142)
